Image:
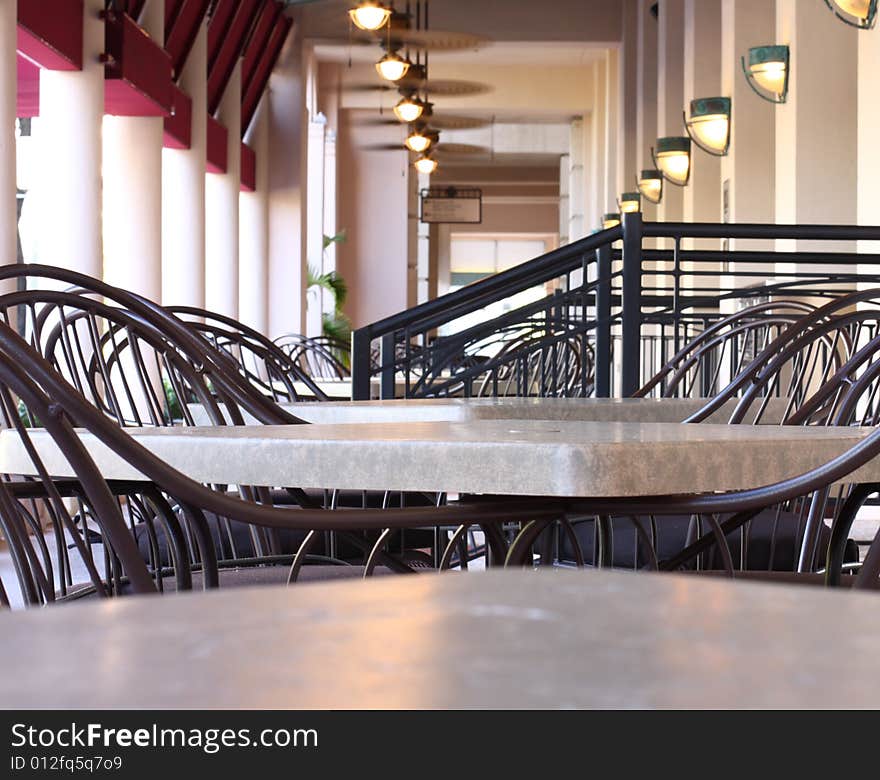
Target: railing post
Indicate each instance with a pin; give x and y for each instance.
(361, 341)
(387, 365)
(603, 321)
(632, 304)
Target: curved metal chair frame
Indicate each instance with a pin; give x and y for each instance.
(261, 362)
(319, 356)
(696, 367)
(33, 379)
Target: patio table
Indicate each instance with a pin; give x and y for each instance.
(505, 457)
(500, 639)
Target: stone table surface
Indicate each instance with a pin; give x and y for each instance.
(500, 639)
(511, 457)
(461, 409)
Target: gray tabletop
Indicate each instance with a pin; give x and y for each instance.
(498, 639)
(509, 457)
(468, 409)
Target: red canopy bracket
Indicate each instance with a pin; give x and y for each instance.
(137, 70)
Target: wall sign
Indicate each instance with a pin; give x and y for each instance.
(455, 205)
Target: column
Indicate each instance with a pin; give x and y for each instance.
(221, 210)
(183, 192)
(747, 172)
(287, 131)
(253, 238)
(564, 197)
(868, 150)
(629, 98)
(670, 95)
(613, 135)
(646, 90)
(702, 67)
(330, 215)
(68, 187)
(315, 220)
(599, 148)
(816, 130)
(132, 197)
(578, 221)
(8, 86)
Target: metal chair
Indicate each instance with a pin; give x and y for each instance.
(321, 357)
(699, 368)
(260, 361)
(32, 378)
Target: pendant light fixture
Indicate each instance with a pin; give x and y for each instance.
(650, 184)
(629, 202)
(410, 108)
(421, 139)
(392, 67)
(672, 156)
(425, 164)
(610, 221)
(708, 124)
(370, 15)
(767, 72)
(856, 13)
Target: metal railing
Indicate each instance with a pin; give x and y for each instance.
(614, 310)
(559, 344)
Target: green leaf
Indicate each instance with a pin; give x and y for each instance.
(339, 238)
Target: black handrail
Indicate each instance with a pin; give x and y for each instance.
(473, 297)
(625, 288)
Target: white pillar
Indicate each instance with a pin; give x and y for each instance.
(183, 192)
(646, 89)
(816, 130)
(702, 78)
(132, 198)
(132, 173)
(578, 225)
(564, 198)
(670, 95)
(748, 180)
(8, 84)
(287, 130)
(748, 168)
(629, 80)
(221, 210)
(598, 142)
(868, 151)
(613, 135)
(330, 212)
(69, 148)
(315, 219)
(253, 239)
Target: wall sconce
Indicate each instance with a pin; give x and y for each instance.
(672, 157)
(409, 109)
(650, 184)
(370, 15)
(856, 13)
(610, 221)
(709, 124)
(767, 72)
(629, 202)
(392, 67)
(421, 140)
(425, 164)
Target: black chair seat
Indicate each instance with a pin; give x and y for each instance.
(771, 541)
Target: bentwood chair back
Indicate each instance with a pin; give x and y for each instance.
(703, 366)
(320, 357)
(267, 367)
(30, 377)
